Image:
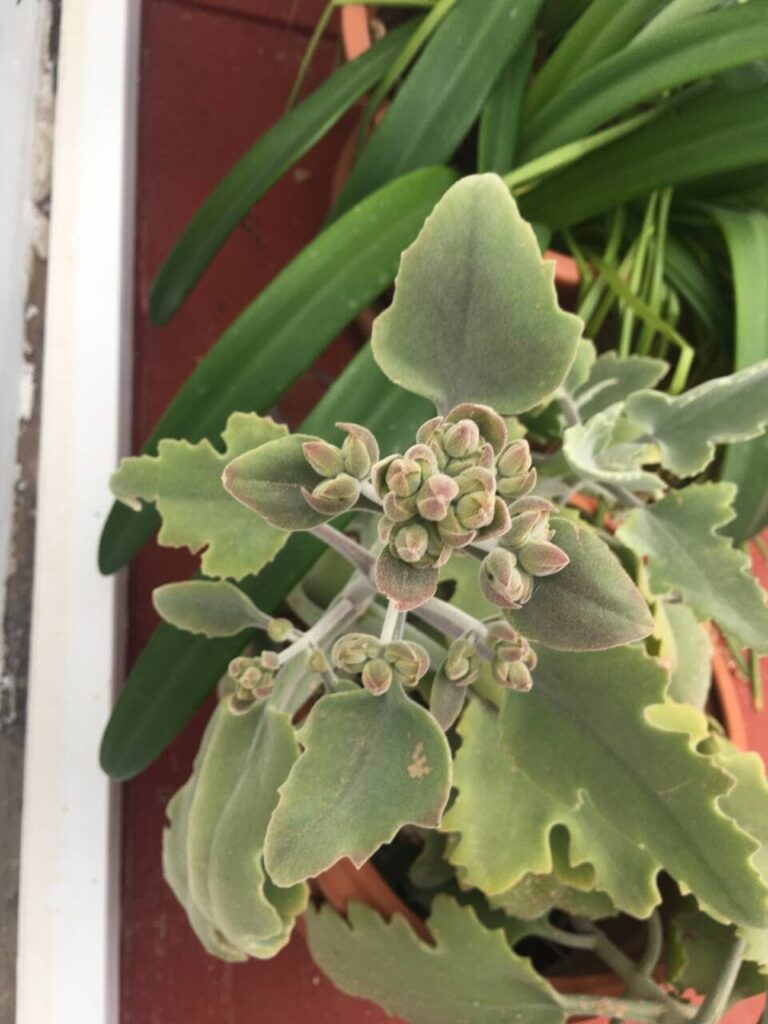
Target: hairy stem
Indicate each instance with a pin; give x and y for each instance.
(713, 1007)
(355, 553)
(640, 1010)
(352, 602)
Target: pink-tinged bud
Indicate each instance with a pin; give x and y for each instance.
(269, 661)
(365, 437)
(379, 472)
(279, 630)
(353, 650)
(435, 496)
(492, 427)
(487, 457)
(326, 459)
(512, 675)
(384, 529)
(426, 431)
(516, 486)
(411, 543)
(452, 532)
(525, 527)
(540, 558)
(501, 631)
(251, 678)
(264, 690)
(499, 524)
(317, 662)
(409, 661)
(398, 510)
(462, 665)
(238, 666)
(357, 461)
(403, 477)
(476, 480)
(377, 676)
(425, 457)
(500, 579)
(474, 511)
(331, 497)
(461, 439)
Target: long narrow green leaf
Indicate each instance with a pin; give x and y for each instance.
(259, 169)
(746, 465)
(683, 52)
(675, 11)
(688, 277)
(500, 119)
(444, 93)
(711, 134)
(281, 333)
(177, 670)
(603, 29)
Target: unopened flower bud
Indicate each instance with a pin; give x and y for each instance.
(398, 510)
(326, 459)
(411, 543)
(237, 666)
(353, 650)
(515, 460)
(461, 439)
(279, 630)
(409, 661)
(500, 579)
(529, 520)
(453, 532)
(435, 496)
(377, 675)
(269, 661)
(499, 523)
(513, 675)
(475, 511)
(331, 497)
(492, 427)
(542, 558)
(317, 661)
(359, 450)
(403, 477)
(462, 665)
(515, 486)
(427, 430)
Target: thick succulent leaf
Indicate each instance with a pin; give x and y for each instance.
(589, 606)
(184, 481)
(687, 427)
(225, 806)
(475, 315)
(213, 608)
(649, 781)
(686, 553)
(270, 481)
(370, 765)
(443, 94)
(284, 330)
(506, 823)
(470, 975)
(581, 367)
(613, 378)
(406, 586)
(607, 449)
(691, 672)
(746, 236)
(277, 149)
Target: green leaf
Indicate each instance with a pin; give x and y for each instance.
(475, 315)
(714, 132)
(613, 378)
(683, 52)
(184, 481)
(648, 781)
(277, 150)
(582, 364)
(687, 553)
(443, 95)
(592, 604)
(691, 673)
(608, 449)
(505, 826)
(687, 427)
(370, 765)
(224, 807)
(746, 236)
(603, 29)
(405, 585)
(499, 121)
(176, 671)
(470, 974)
(207, 607)
(284, 330)
(270, 481)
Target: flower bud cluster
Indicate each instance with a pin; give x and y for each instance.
(342, 469)
(452, 487)
(512, 659)
(380, 664)
(526, 551)
(253, 678)
(462, 663)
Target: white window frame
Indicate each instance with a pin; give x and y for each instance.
(69, 909)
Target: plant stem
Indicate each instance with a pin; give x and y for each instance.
(569, 408)
(392, 619)
(452, 621)
(653, 944)
(713, 1007)
(351, 603)
(640, 1010)
(355, 553)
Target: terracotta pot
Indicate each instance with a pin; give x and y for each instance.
(746, 725)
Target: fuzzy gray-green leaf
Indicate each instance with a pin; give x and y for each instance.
(475, 315)
(210, 607)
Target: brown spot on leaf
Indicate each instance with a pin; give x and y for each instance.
(418, 767)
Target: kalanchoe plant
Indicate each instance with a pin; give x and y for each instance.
(546, 666)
